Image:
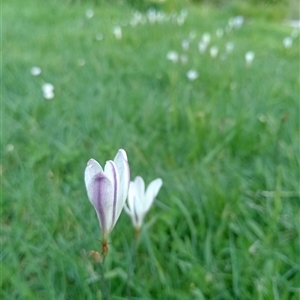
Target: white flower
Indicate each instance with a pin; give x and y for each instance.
(35, 71)
(229, 47)
(206, 38)
(202, 46)
(151, 15)
(10, 147)
(140, 200)
(192, 75)
(99, 36)
(185, 44)
(118, 32)
(107, 189)
(81, 62)
(47, 87)
(172, 56)
(180, 20)
(184, 12)
(49, 95)
(288, 42)
(48, 91)
(213, 51)
(249, 57)
(238, 21)
(89, 13)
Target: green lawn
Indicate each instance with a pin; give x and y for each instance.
(225, 224)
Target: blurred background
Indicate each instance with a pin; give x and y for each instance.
(203, 94)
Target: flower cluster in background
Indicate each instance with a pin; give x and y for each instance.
(47, 88)
(217, 43)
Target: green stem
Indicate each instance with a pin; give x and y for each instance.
(105, 290)
(131, 264)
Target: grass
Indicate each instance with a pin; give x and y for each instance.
(225, 224)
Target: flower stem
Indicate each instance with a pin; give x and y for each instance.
(105, 290)
(131, 264)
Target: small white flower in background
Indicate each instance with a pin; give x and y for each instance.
(287, 42)
(107, 191)
(213, 51)
(140, 199)
(48, 91)
(185, 44)
(294, 23)
(133, 22)
(172, 56)
(89, 13)
(206, 38)
(238, 21)
(202, 46)
(249, 57)
(229, 47)
(136, 18)
(47, 87)
(35, 71)
(184, 12)
(118, 32)
(183, 58)
(143, 20)
(151, 15)
(160, 17)
(262, 118)
(180, 20)
(192, 34)
(81, 62)
(192, 75)
(9, 148)
(99, 36)
(219, 32)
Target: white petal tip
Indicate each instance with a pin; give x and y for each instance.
(123, 153)
(159, 181)
(90, 161)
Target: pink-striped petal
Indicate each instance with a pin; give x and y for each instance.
(92, 168)
(100, 193)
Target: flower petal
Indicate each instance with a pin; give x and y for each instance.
(127, 210)
(139, 201)
(140, 186)
(100, 193)
(131, 196)
(151, 192)
(92, 168)
(111, 172)
(122, 165)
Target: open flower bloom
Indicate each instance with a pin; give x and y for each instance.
(139, 201)
(107, 189)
